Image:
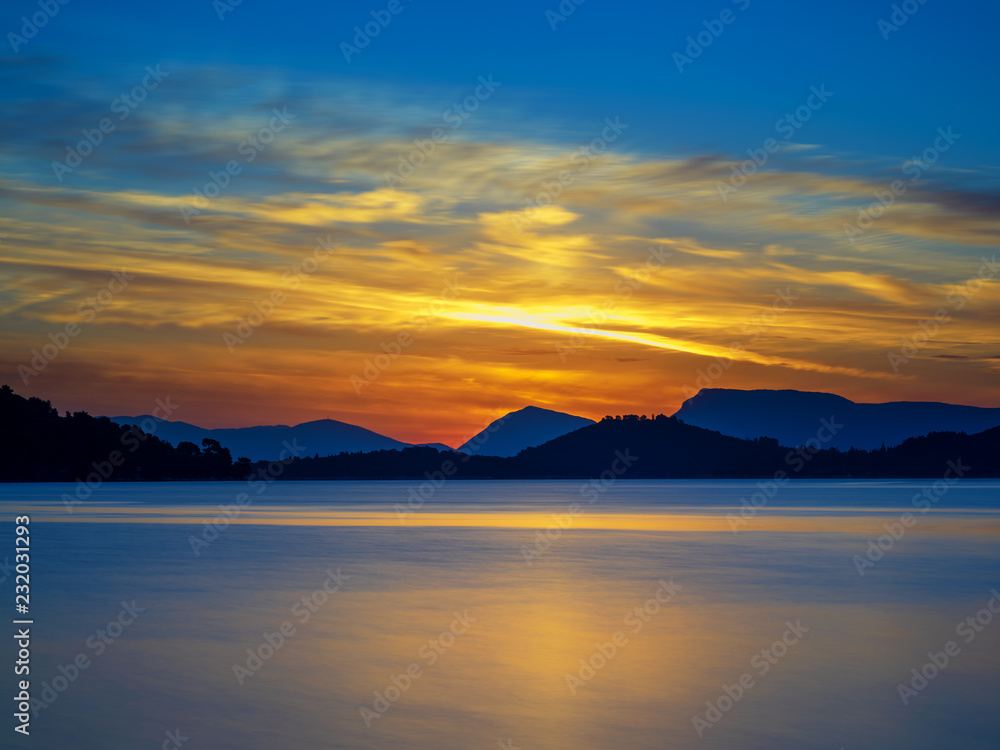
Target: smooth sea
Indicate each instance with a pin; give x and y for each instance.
(541, 615)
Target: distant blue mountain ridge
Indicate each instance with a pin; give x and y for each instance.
(525, 428)
(506, 436)
(792, 417)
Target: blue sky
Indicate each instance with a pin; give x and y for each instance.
(939, 68)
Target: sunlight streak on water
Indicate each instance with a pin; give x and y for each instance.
(563, 646)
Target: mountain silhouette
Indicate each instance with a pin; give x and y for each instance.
(522, 429)
(634, 447)
(665, 447)
(793, 417)
(266, 443)
(661, 447)
(37, 444)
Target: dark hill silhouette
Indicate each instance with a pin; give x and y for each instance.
(664, 447)
(36, 444)
(267, 442)
(522, 429)
(793, 417)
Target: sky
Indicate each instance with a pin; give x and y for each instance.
(416, 216)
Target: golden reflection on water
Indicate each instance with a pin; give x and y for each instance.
(824, 520)
(506, 676)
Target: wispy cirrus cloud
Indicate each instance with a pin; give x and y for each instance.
(527, 283)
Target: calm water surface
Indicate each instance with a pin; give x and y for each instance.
(500, 614)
